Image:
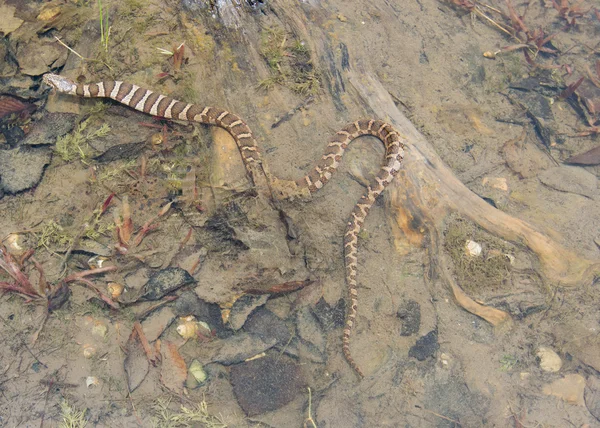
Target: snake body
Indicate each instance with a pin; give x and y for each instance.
(159, 105)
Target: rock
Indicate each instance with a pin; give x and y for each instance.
(240, 347)
(267, 325)
(243, 307)
(22, 168)
(38, 56)
(549, 360)
(138, 279)
(190, 304)
(9, 22)
(266, 384)
(157, 322)
(49, 128)
(330, 317)
(121, 151)
(425, 347)
(569, 388)
(410, 314)
(166, 281)
(309, 329)
(571, 179)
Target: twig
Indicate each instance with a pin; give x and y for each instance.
(439, 416)
(309, 418)
(150, 353)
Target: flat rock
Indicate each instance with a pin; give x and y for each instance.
(190, 304)
(36, 58)
(22, 168)
(157, 322)
(571, 179)
(166, 281)
(243, 307)
(267, 325)
(569, 388)
(9, 21)
(240, 347)
(309, 329)
(49, 128)
(266, 384)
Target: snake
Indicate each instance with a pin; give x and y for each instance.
(158, 105)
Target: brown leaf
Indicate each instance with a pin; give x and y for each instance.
(591, 157)
(9, 105)
(173, 372)
(136, 362)
(285, 287)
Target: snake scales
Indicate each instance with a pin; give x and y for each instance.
(159, 105)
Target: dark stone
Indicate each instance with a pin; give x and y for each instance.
(268, 326)
(330, 317)
(425, 347)
(410, 314)
(309, 329)
(121, 151)
(190, 304)
(22, 168)
(243, 307)
(166, 281)
(266, 384)
(49, 128)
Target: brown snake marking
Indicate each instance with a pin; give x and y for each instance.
(159, 105)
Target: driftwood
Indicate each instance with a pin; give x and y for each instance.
(426, 190)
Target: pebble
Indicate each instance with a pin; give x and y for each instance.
(549, 360)
(569, 388)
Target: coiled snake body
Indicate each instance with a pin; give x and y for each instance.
(159, 105)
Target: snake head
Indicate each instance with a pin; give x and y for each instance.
(60, 83)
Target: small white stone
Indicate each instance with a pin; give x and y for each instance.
(549, 360)
(473, 248)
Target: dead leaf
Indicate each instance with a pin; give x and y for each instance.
(591, 157)
(136, 362)
(174, 370)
